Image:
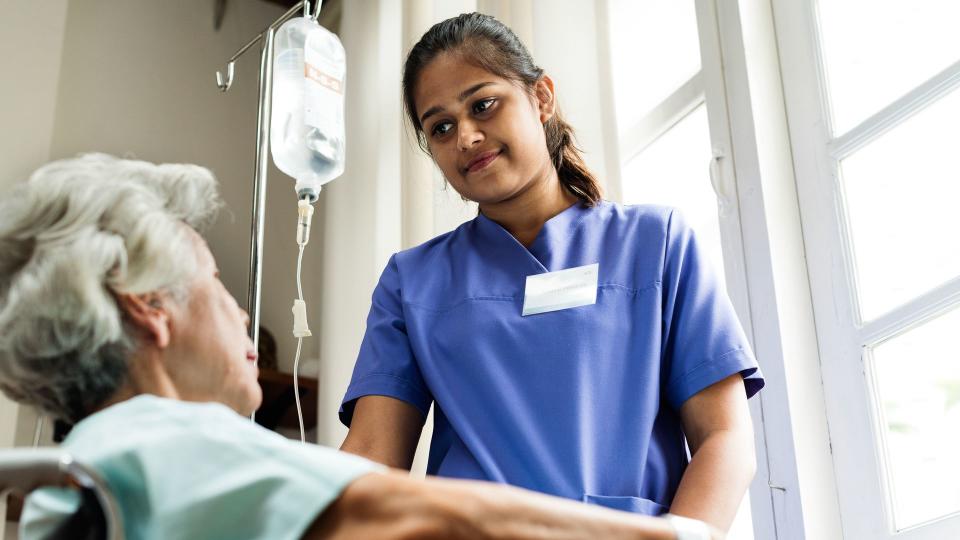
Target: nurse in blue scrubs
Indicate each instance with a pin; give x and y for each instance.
(569, 345)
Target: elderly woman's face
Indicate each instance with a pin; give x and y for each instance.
(211, 356)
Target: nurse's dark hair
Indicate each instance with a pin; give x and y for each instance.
(492, 46)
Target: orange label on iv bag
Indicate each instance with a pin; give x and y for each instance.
(315, 74)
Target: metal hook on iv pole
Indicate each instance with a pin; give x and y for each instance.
(262, 159)
(224, 83)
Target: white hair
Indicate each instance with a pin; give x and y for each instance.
(75, 234)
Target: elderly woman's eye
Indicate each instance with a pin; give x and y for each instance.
(441, 128)
(483, 105)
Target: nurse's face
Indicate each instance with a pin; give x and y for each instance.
(211, 357)
(484, 132)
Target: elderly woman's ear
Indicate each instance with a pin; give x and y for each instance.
(147, 313)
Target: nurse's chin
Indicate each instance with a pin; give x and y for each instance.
(492, 189)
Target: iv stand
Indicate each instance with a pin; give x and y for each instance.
(263, 158)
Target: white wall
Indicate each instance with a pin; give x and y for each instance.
(565, 45)
(361, 210)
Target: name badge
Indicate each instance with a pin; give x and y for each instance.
(562, 289)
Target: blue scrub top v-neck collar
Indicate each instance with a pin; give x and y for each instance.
(550, 244)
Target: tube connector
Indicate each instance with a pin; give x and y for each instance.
(304, 215)
(300, 329)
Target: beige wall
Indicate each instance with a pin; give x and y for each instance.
(136, 78)
(31, 36)
(27, 106)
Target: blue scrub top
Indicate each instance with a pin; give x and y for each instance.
(581, 403)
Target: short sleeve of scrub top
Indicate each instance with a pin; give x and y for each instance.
(582, 402)
(388, 367)
(693, 300)
(197, 470)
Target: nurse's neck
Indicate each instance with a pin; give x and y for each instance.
(524, 214)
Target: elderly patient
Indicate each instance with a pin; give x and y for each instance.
(112, 316)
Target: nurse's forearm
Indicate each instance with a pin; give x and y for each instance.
(390, 506)
(385, 430)
(716, 479)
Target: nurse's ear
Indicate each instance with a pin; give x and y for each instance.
(546, 99)
(148, 314)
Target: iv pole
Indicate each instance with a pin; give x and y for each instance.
(263, 158)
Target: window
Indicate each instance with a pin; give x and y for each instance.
(673, 171)
(875, 124)
(664, 134)
(672, 123)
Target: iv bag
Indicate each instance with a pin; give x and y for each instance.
(307, 136)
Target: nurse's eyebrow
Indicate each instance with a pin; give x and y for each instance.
(462, 97)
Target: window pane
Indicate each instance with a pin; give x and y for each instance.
(902, 192)
(654, 50)
(918, 383)
(674, 171)
(878, 50)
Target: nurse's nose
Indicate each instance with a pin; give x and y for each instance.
(468, 135)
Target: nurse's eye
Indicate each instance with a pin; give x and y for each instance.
(441, 128)
(483, 105)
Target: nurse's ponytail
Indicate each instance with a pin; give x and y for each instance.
(491, 45)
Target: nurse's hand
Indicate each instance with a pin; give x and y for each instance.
(385, 430)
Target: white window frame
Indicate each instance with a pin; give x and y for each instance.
(794, 493)
(852, 408)
(723, 84)
(721, 46)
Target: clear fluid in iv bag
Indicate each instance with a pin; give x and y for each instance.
(307, 121)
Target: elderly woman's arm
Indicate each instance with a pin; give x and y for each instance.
(394, 506)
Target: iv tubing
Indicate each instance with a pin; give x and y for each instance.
(296, 361)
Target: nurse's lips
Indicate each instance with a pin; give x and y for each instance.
(481, 161)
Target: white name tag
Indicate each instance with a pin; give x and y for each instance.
(563, 289)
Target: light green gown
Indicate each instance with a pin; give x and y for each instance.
(197, 470)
